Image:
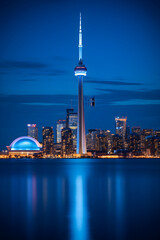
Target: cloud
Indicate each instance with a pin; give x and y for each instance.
(52, 72)
(3, 73)
(106, 97)
(47, 70)
(118, 78)
(120, 83)
(45, 104)
(28, 80)
(56, 72)
(128, 97)
(38, 99)
(137, 102)
(153, 94)
(22, 65)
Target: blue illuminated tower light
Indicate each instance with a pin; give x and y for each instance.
(80, 71)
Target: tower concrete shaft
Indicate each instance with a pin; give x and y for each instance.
(81, 146)
(80, 71)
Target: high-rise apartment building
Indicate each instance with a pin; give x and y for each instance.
(60, 125)
(157, 132)
(136, 130)
(145, 133)
(48, 141)
(67, 142)
(117, 143)
(91, 139)
(99, 140)
(152, 146)
(72, 122)
(121, 127)
(32, 131)
(102, 143)
(134, 143)
(107, 133)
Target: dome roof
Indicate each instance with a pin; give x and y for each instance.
(25, 143)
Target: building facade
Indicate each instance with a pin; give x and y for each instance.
(107, 133)
(136, 130)
(48, 141)
(121, 127)
(32, 131)
(152, 146)
(72, 122)
(91, 139)
(157, 133)
(67, 142)
(145, 133)
(135, 143)
(102, 143)
(117, 143)
(60, 125)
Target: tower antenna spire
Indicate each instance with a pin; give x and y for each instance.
(80, 27)
(80, 39)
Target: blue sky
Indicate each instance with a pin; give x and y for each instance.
(39, 50)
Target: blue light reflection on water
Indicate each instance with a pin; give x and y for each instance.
(119, 206)
(79, 199)
(79, 213)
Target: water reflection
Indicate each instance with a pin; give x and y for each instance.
(45, 193)
(29, 206)
(120, 212)
(67, 200)
(79, 209)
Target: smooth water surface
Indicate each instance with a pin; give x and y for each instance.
(80, 199)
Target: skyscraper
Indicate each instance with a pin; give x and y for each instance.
(145, 133)
(91, 139)
(80, 71)
(157, 133)
(71, 122)
(67, 142)
(121, 127)
(117, 143)
(134, 143)
(136, 130)
(32, 131)
(109, 139)
(48, 140)
(102, 143)
(60, 125)
(152, 145)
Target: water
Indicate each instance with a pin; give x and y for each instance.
(80, 199)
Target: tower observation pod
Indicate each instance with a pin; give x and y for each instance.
(80, 71)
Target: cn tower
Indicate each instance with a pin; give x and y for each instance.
(80, 71)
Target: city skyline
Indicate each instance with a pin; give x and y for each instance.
(38, 57)
(125, 142)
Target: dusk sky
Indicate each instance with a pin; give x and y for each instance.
(39, 50)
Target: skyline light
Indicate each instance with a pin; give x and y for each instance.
(38, 51)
